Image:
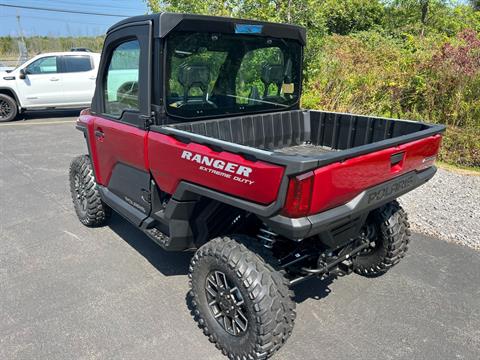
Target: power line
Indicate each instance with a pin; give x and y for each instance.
(57, 20)
(61, 10)
(92, 5)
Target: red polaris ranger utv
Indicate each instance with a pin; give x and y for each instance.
(196, 136)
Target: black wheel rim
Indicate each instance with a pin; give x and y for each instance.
(80, 193)
(5, 109)
(226, 303)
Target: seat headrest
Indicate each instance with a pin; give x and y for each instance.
(194, 75)
(272, 74)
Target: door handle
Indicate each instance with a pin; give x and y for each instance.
(99, 134)
(93, 78)
(396, 161)
(54, 79)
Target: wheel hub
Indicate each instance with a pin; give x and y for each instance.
(80, 192)
(226, 303)
(5, 109)
(369, 233)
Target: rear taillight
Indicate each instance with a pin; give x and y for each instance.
(299, 196)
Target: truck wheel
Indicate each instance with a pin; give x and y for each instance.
(8, 108)
(243, 305)
(90, 208)
(388, 228)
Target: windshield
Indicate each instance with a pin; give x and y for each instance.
(212, 74)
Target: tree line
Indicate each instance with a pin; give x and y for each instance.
(38, 44)
(413, 59)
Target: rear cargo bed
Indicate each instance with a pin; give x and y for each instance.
(298, 142)
(305, 149)
(305, 133)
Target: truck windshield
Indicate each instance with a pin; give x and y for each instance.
(211, 74)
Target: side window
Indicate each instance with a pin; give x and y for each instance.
(120, 83)
(77, 63)
(46, 65)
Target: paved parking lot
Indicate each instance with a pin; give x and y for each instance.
(69, 292)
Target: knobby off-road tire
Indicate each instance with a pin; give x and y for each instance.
(265, 310)
(90, 208)
(267, 255)
(8, 108)
(391, 234)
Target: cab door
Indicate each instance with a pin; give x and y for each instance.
(120, 105)
(43, 83)
(79, 76)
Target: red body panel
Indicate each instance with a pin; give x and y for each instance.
(164, 157)
(169, 168)
(337, 183)
(119, 143)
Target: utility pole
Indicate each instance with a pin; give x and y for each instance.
(20, 30)
(22, 47)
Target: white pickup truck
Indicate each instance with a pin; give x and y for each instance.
(50, 80)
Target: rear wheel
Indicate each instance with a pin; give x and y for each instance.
(388, 229)
(90, 208)
(243, 305)
(8, 108)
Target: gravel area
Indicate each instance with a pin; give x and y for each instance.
(448, 207)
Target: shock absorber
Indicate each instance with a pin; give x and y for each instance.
(267, 237)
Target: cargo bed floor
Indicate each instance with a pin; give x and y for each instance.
(304, 149)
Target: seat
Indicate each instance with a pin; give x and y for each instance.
(194, 76)
(127, 94)
(272, 74)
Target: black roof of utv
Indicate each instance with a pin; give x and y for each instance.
(164, 23)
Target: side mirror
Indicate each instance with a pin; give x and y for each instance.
(23, 74)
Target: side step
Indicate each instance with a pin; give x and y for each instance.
(160, 231)
(159, 237)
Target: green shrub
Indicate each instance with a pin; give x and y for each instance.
(461, 146)
(346, 16)
(428, 78)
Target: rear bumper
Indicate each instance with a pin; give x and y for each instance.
(374, 197)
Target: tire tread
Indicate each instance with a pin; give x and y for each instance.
(395, 233)
(267, 289)
(97, 212)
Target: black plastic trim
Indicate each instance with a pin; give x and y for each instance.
(301, 228)
(132, 185)
(185, 190)
(166, 22)
(140, 31)
(82, 128)
(129, 212)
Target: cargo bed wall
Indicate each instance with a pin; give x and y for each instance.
(263, 131)
(345, 131)
(288, 131)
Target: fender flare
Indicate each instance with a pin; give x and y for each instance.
(17, 100)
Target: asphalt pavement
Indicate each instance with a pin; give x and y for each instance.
(70, 292)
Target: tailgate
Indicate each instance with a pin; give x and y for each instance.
(337, 183)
